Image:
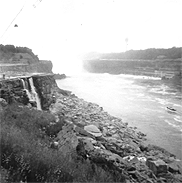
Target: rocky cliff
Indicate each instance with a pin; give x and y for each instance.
(21, 60)
(36, 89)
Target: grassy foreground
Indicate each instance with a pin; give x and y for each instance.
(27, 155)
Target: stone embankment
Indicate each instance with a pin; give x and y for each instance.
(108, 142)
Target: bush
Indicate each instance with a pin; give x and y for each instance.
(25, 146)
(26, 154)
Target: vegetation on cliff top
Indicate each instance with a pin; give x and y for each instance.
(147, 54)
(11, 53)
(30, 63)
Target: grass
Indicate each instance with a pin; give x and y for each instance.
(26, 155)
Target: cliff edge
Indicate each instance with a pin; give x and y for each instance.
(21, 60)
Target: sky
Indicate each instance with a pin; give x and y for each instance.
(62, 30)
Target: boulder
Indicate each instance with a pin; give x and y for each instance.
(67, 140)
(83, 132)
(157, 166)
(3, 102)
(175, 167)
(92, 129)
(88, 143)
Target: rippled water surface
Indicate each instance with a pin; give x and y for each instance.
(140, 101)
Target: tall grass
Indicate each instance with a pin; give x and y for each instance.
(26, 154)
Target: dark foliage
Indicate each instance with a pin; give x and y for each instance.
(26, 154)
(12, 49)
(148, 54)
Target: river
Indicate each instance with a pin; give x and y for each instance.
(138, 100)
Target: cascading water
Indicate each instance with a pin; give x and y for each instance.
(32, 95)
(23, 82)
(31, 98)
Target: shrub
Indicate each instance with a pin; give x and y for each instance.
(26, 155)
(25, 145)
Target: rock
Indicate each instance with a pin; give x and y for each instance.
(128, 158)
(143, 146)
(116, 135)
(3, 102)
(134, 160)
(87, 142)
(178, 177)
(134, 146)
(142, 159)
(104, 131)
(115, 157)
(82, 132)
(175, 167)
(67, 140)
(158, 166)
(137, 176)
(92, 129)
(54, 145)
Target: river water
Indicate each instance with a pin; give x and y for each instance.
(138, 100)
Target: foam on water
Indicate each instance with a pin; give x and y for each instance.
(173, 124)
(178, 120)
(139, 77)
(162, 101)
(177, 105)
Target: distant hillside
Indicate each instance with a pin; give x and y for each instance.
(133, 66)
(164, 63)
(19, 60)
(148, 54)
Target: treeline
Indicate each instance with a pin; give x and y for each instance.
(18, 49)
(148, 54)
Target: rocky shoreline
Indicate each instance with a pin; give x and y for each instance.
(83, 132)
(106, 141)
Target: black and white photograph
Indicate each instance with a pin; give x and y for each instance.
(91, 91)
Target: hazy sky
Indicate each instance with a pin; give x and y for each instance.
(59, 30)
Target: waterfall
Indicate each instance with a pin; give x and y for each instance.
(23, 82)
(32, 95)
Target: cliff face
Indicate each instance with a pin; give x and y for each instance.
(37, 89)
(46, 87)
(19, 60)
(43, 66)
(21, 68)
(165, 68)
